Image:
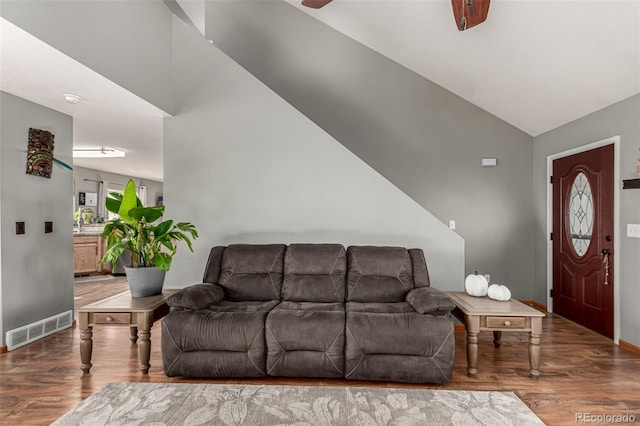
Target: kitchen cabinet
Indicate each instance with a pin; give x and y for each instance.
(87, 252)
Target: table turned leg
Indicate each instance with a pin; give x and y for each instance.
(134, 334)
(497, 339)
(534, 346)
(473, 328)
(86, 343)
(144, 346)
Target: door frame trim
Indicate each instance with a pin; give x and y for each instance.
(615, 141)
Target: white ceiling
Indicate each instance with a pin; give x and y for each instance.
(108, 114)
(537, 64)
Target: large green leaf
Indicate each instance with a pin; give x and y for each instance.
(188, 227)
(129, 201)
(113, 204)
(162, 261)
(116, 248)
(150, 214)
(162, 228)
(107, 230)
(183, 237)
(168, 243)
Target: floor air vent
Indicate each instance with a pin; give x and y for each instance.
(37, 330)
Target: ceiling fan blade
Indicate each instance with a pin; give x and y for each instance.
(469, 13)
(315, 4)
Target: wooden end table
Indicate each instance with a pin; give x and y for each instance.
(484, 314)
(139, 313)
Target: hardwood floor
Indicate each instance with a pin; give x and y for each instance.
(89, 292)
(581, 371)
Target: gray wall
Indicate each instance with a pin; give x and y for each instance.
(116, 181)
(245, 166)
(126, 41)
(623, 119)
(424, 139)
(37, 268)
(239, 203)
(129, 43)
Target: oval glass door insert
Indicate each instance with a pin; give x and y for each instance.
(580, 214)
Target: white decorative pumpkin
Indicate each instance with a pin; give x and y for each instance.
(499, 292)
(476, 285)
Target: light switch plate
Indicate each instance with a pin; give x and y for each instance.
(633, 230)
(452, 224)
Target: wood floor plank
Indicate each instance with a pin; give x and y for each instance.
(581, 371)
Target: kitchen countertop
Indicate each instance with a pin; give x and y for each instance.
(88, 230)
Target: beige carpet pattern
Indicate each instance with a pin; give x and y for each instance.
(207, 404)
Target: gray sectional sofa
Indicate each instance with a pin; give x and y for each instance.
(311, 310)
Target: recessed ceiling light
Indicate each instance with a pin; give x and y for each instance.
(72, 99)
(104, 152)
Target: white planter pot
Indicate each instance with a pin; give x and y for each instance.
(144, 282)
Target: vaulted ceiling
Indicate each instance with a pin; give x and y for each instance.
(535, 64)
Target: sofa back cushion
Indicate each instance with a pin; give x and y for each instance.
(420, 272)
(212, 270)
(252, 271)
(314, 273)
(378, 274)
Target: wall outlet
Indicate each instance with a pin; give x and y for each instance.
(633, 230)
(452, 224)
(48, 227)
(20, 228)
(488, 277)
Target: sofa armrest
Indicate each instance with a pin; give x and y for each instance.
(429, 300)
(197, 296)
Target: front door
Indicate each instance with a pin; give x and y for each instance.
(583, 238)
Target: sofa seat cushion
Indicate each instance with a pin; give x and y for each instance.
(399, 346)
(378, 274)
(305, 339)
(226, 327)
(252, 271)
(314, 273)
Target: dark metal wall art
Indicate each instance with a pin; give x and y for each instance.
(40, 153)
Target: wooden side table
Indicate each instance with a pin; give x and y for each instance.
(139, 313)
(484, 314)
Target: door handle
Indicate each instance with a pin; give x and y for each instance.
(605, 260)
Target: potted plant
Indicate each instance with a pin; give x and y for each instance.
(152, 246)
(84, 213)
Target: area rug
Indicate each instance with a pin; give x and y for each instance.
(267, 405)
